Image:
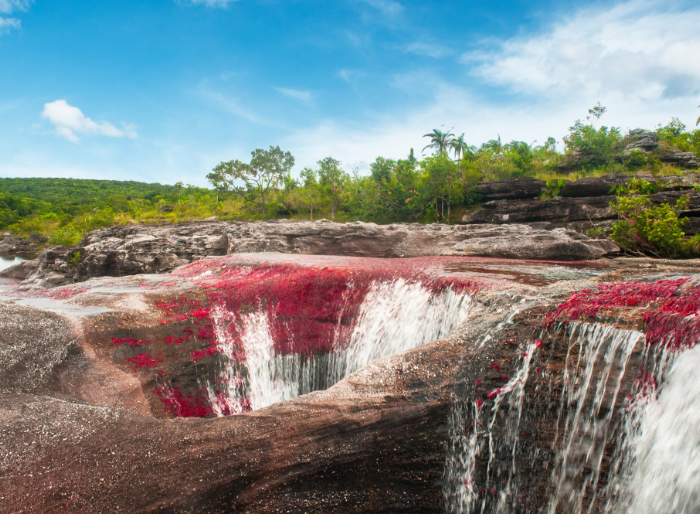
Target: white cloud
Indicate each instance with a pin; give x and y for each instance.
(8, 6)
(453, 107)
(427, 49)
(70, 121)
(302, 96)
(386, 7)
(644, 48)
(7, 24)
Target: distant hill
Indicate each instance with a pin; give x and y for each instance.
(81, 191)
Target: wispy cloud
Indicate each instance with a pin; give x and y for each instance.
(428, 49)
(8, 7)
(386, 7)
(644, 48)
(233, 106)
(68, 121)
(7, 24)
(302, 96)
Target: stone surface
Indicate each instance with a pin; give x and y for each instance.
(78, 434)
(586, 202)
(130, 250)
(18, 245)
(510, 189)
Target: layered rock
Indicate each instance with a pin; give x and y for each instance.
(129, 250)
(585, 203)
(21, 245)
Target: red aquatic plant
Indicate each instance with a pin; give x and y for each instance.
(181, 405)
(118, 341)
(143, 360)
(668, 308)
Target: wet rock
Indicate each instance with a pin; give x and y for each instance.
(78, 434)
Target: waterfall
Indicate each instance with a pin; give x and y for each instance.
(393, 317)
(590, 391)
(659, 467)
(482, 472)
(468, 441)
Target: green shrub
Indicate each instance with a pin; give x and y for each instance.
(65, 236)
(75, 259)
(553, 188)
(649, 230)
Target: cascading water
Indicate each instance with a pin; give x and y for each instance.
(590, 390)
(393, 317)
(594, 369)
(658, 469)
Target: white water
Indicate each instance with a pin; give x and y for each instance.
(394, 317)
(7, 261)
(595, 366)
(661, 469)
(467, 443)
(590, 392)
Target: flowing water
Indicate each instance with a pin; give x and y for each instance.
(659, 465)
(393, 317)
(648, 442)
(7, 261)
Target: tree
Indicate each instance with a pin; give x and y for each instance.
(441, 184)
(439, 140)
(178, 185)
(267, 169)
(333, 180)
(460, 147)
(494, 145)
(381, 169)
(520, 154)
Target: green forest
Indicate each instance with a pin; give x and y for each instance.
(436, 187)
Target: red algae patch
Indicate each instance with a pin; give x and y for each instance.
(669, 309)
(311, 305)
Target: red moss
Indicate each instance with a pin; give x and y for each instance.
(144, 360)
(183, 406)
(65, 293)
(199, 313)
(669, 311)
(118, 341)
(200, 354)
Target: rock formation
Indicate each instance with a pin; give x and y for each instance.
(579, 205)
(85, 426)
(131, 249)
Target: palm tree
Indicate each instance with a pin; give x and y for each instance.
(460, 147)
(439, 140)
(494, 145)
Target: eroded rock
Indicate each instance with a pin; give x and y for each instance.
(130, 250)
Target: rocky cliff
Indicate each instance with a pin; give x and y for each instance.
(578, 205)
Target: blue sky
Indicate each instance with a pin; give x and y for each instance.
(162, 91)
